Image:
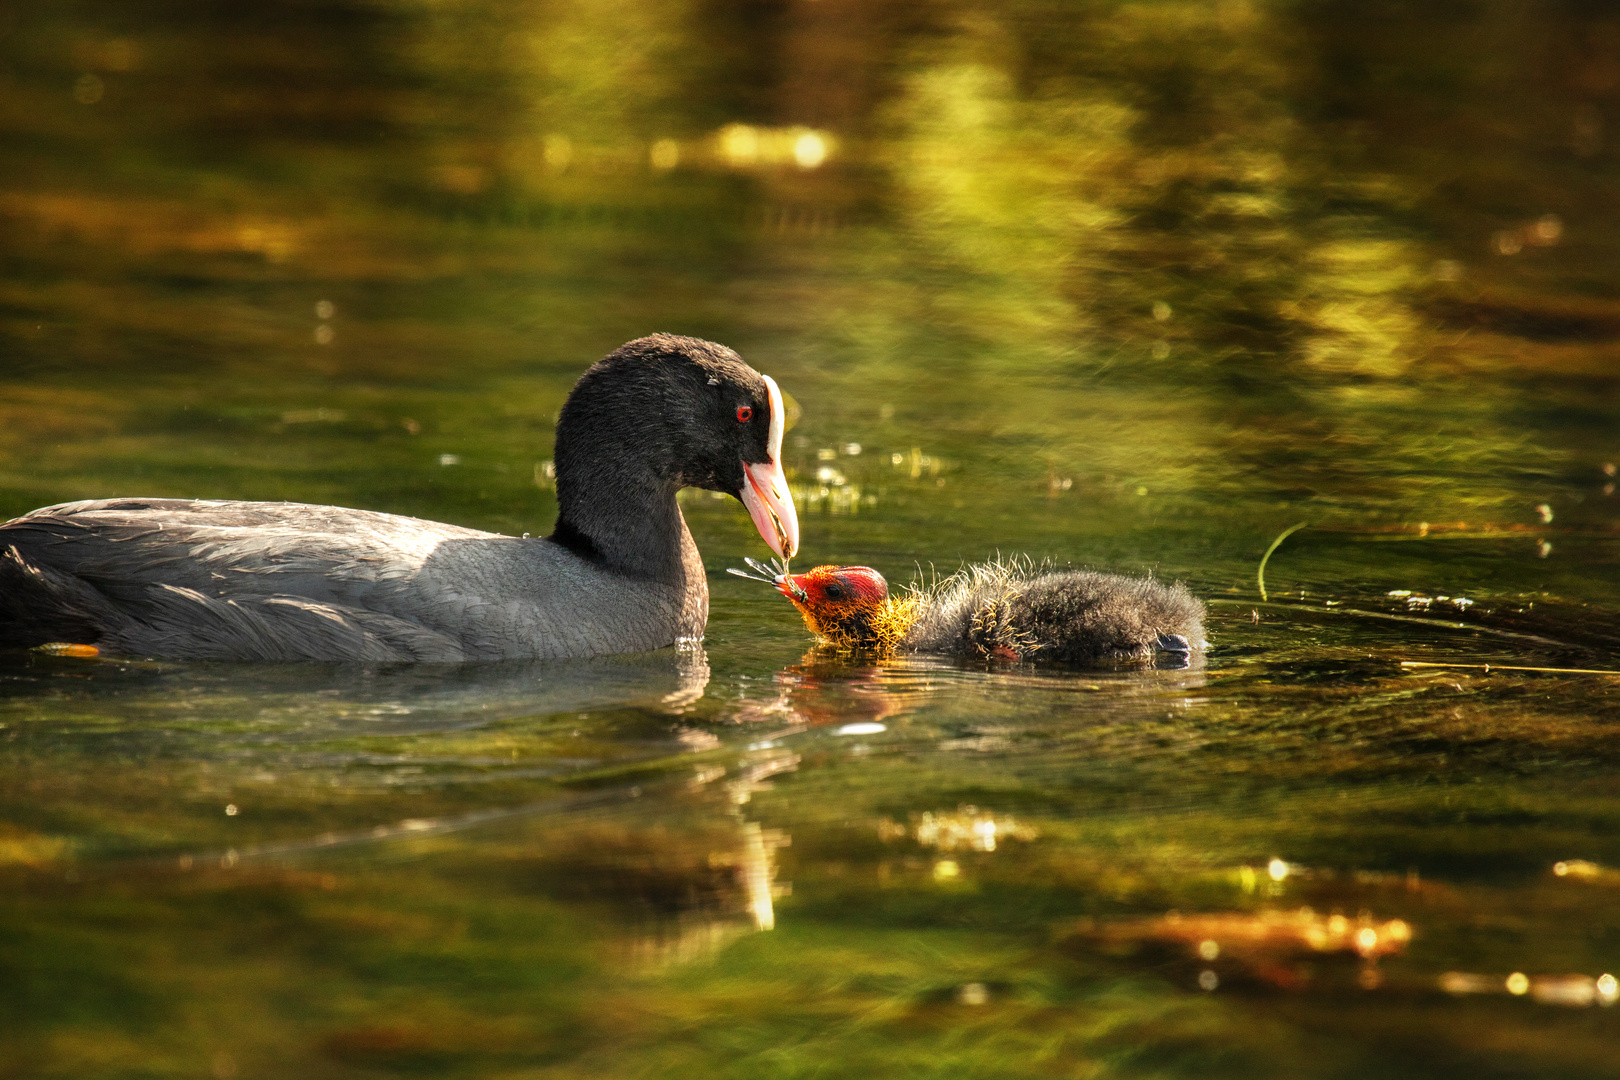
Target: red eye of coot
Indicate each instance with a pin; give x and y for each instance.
(745, 413)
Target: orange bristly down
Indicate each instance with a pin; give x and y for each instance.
(849, 607)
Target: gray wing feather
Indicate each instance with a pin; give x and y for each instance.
(280, 628)
(270, 581)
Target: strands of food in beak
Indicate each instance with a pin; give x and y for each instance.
(776, 574)
(758, 571)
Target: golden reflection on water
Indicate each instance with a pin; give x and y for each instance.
(1567, 991)
(1133, 284)
(967, 827)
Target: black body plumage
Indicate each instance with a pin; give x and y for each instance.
(1063, 616)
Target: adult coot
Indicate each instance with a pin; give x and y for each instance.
(1006, 610)
(288, 581)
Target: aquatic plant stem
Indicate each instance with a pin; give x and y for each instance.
(1447, 624)
(1260, 575)
(1509, 667)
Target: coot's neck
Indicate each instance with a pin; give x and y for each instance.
(614, 509)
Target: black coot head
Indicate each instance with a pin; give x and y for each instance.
(686, 411)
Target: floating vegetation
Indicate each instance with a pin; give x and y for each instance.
(1488, 668)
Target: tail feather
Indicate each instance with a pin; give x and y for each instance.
(39, 604)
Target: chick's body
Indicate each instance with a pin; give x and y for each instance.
(1008, 610)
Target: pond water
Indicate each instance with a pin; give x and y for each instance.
(1137, 286)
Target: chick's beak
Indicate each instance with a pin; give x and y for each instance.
(789, 586)
(765, 490)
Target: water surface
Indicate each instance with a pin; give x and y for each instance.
(1130, 286)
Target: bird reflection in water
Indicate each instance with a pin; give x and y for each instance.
(703, 885)
(828, 689)
(749, 858)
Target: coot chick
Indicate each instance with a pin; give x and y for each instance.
(1007, 610)
(286, 581)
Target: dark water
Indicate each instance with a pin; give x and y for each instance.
(1135, 286)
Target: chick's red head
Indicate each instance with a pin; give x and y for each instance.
(835, 600)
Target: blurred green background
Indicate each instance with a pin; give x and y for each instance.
(1135, 285)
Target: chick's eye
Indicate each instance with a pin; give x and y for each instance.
(834, 591)
(745, 413)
